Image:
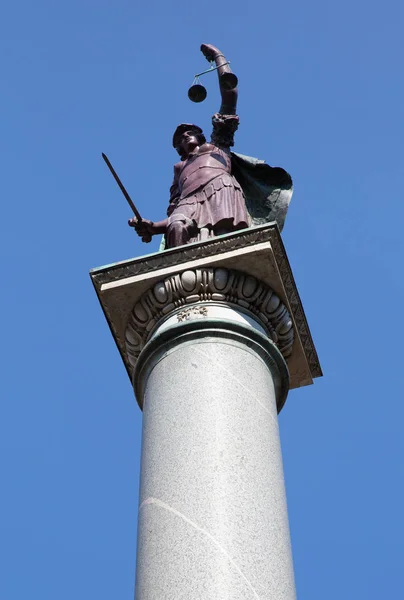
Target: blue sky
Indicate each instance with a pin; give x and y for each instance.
(321, 94)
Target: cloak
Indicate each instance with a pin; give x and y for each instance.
(267, 190)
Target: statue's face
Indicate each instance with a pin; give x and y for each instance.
(189, 141)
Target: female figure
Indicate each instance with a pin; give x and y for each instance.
(205, 198)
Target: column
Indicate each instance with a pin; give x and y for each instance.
(213, 521)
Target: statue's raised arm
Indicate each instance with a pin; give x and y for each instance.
(229, 97)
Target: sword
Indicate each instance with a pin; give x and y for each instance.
(146, 237)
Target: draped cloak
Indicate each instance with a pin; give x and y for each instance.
(267, 190)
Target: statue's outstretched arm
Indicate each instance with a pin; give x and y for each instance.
(146, 228)
(229, 97)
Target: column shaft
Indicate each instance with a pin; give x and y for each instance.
(213, 519)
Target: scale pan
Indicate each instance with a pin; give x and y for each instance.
(197, 93)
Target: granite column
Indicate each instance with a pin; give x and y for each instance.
(213, 519)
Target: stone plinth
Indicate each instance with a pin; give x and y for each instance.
(256, 252)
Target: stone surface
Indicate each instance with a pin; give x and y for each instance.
(258, 252)
(213, 519)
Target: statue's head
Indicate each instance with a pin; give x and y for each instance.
(186, 137)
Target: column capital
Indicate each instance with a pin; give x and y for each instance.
(191, 292)
(248, 269)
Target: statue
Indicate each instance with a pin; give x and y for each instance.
(216, 191)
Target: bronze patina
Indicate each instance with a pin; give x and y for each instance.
(216, 191)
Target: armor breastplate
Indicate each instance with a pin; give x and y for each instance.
(198, 170)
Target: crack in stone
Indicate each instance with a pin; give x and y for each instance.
(230, 374)
(162, 504)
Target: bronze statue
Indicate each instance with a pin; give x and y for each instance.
(216, 191)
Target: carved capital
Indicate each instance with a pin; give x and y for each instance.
(217, 285)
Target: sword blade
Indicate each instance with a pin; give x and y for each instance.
(122, 188)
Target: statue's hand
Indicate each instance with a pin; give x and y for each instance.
(144, 228)
(210, 52)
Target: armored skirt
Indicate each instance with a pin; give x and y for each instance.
(219, 206)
